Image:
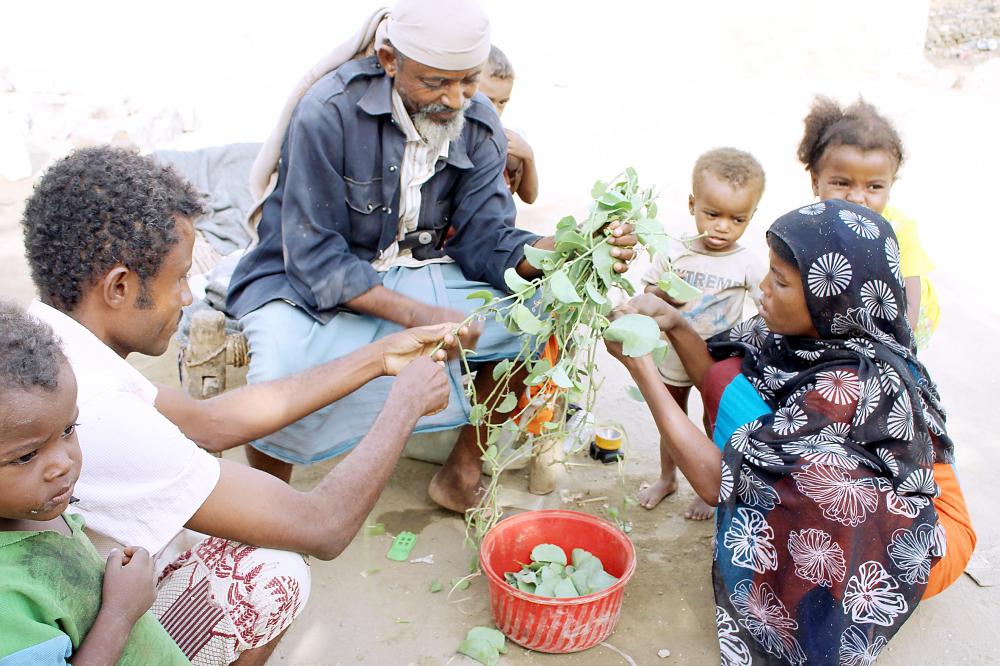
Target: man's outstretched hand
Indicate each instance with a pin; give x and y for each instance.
(436, 341)
(423, 385)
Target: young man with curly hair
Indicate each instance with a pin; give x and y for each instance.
(108, 237)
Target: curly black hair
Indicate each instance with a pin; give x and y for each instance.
(95, 209)
(738, 168)
(30, 355)
(859, 125)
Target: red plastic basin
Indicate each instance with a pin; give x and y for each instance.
(542, 623)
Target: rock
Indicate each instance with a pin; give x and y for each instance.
(663, 654)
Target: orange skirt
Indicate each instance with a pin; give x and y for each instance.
(953, 515)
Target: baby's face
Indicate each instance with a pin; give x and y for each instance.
(39, 451)
(721, 212)
(498, 90)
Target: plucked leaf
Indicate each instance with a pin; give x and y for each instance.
(676, 288)
(638, 334)
(490, 635)
(547, 552)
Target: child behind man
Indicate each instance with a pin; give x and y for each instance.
(58, 599)
(854, 154)
(497, 84)
(726, 186)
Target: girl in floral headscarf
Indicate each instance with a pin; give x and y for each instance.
(830, 464)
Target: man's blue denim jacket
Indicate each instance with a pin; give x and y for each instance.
(335, 205)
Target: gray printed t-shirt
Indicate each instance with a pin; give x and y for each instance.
(725, 279)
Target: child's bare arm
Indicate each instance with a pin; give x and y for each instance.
(913, 300)
(129, 591)
(527, 187)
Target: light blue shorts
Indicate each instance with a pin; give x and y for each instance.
(285, 340)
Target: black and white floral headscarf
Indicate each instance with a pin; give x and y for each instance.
(826, 527)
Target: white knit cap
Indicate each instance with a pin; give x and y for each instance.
(444, 34)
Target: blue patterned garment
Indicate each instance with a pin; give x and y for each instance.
(826, 529)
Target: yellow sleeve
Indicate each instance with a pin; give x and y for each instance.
(913, 260)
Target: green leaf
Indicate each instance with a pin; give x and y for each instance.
(490, 635)
(547, 552)
(651, 209)
(565, 589)
(460, 583)
(501, 368)
(594, 293)
(635, 393)
(508, 403)
(599, 188)
(560, 377)
(596, 221)
(612, 199)
(490, 453)
(660, 354)
(546, 588)
(570, 241)
(563, 289)
(517, 284)
(638, 334)
(623, 282)
(676, 288)
(483, 294)
(568, 223)
(481, 651)
(526, 321)
(477, 414)
(603, 262)
(375, 529)
(435, 586)
(541, 259)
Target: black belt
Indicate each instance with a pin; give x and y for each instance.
(423, 243)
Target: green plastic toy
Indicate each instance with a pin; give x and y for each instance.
(401, 546)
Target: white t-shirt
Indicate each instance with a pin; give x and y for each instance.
(141, 478)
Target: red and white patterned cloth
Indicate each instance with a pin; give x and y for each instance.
(223, 597)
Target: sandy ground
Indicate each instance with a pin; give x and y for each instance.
(599, 88)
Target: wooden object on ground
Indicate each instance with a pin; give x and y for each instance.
(546, 458)
(208, 352)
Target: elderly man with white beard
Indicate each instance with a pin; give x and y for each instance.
(389, 208)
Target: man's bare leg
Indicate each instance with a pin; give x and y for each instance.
(259, 656)
(457, 486)
(266, 463)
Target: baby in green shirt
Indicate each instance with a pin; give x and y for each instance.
(58, 599)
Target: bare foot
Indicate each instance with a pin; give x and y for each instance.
(652, 494)
(698, 510)
(450, 491)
